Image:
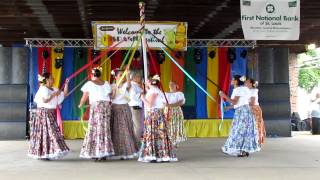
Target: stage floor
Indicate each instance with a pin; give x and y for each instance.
(293, 158)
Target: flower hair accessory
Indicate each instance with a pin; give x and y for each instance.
(113, 72)
(243, 79)
(256, 83)
(97, 68)
(156, 77)
(40, 78)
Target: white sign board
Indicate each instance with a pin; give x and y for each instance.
(270, 19)
(173, 34)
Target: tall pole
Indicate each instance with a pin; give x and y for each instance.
(143, 40)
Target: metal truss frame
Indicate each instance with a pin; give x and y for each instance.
(221, 43)
(43, 42)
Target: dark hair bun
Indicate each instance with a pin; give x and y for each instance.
(96, 73)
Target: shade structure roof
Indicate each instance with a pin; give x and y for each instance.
(209, 19)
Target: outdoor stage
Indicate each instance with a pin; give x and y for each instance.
(293, 158)
(199, 128)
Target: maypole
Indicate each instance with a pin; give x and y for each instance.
(143, 39)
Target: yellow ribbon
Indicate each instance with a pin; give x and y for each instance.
(130, 60)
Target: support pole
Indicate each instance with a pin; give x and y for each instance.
(143, 40)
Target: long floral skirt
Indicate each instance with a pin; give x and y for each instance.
(97, 142)
(257, 112)
(243, 135)
(156, 144)
(124, 140)
(175, 124)
(46, 141)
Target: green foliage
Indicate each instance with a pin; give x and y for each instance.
(308, 78)
(312, 53)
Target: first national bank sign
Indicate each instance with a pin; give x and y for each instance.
(270, 19)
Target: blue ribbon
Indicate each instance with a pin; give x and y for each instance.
(188, 75)
(222, 105)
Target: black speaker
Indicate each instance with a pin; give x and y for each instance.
(136, 54)
(231, 55)
(58, 63)
(244, 53)
(45, 54)
(197, 56)
(160, 57)
(212, 54)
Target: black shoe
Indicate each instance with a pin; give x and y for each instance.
(243, 154)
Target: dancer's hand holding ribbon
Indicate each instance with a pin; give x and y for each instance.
(222, 94)
(66, 87)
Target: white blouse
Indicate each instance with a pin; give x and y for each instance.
(97, 92)
(45, 93)
(254, 93)
(122, 94)
(175, 97)
(244, 94)
(134, 93)
(160, 101)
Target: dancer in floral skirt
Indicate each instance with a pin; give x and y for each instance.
(174, 114)
(256, 110)
(243, 138)
(97, 143)
(46, 141)
(156, 145)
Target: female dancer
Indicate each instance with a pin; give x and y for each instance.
(97, 143)
(174, 114)
(243, 137)
(156, 145)
(255, 108)
(46, 140)
(123, 138)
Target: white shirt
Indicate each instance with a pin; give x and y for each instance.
(97, 92)
(122, 94)
(134, 94)
(244, 96)
(175, 97)
(315, 106)
(45, 93)
(254, 93)
(159, 102)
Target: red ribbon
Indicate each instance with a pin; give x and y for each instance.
(154, 67)
(59, 119)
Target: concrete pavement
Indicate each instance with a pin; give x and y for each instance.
(294, 158)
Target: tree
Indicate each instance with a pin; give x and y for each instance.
(309, 78)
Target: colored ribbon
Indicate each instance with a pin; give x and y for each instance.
(130, 60)
(222, 105)
(102, 63)
(59, 119)
(93, 61)
(187, 74)
(154, 67)
(127, 55)
(149, 32)
(82, 111)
